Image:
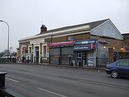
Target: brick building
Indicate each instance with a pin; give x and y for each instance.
(124, 53)
(126, 41)
(88, 44)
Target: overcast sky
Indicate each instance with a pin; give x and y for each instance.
(25, 17)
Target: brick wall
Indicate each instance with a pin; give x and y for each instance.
(126, 40)
(79, 37)
(114, 43)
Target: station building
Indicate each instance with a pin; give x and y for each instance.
(88, 44)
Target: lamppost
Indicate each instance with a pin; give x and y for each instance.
(8, 35)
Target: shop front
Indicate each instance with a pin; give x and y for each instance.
(61, 53)
(85, 52)
(73, 53)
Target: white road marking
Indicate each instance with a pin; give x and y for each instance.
(60, 95)
(12, 79)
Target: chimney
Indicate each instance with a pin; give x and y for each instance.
(43, 29)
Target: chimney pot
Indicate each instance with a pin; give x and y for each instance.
(43, 29)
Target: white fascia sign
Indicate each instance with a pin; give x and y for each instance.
(37, 41)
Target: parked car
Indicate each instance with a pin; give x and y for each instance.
(119, 68)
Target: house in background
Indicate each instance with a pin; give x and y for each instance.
(89, 44)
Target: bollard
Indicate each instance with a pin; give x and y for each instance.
(2, 80)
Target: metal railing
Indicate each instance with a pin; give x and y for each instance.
(89, 62)
(101, 62)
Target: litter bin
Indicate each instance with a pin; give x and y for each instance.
(2, 80)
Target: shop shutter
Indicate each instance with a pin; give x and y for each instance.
(54, 55)
(66, 53)
(55, 51)
(67, 50)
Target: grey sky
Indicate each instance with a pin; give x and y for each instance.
(26, 16)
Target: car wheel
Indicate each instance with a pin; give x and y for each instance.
(114, 74)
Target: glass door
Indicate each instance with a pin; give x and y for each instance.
(79, 59)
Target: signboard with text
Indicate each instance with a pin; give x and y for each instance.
(82, 47)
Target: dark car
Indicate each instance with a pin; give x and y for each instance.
(119, 68)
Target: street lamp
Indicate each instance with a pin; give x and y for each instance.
(8, 34)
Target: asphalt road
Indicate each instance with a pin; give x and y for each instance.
(49, 81)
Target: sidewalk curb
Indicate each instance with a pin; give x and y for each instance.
(99, 69)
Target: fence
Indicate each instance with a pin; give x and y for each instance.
(81, 61)
(65, 60)
(101, 62)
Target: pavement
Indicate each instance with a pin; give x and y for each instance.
(50, 81)
(67, 66)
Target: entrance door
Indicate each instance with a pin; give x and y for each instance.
(81, 58)
(84, 58)
(37, 54)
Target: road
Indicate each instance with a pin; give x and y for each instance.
(50, 81)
